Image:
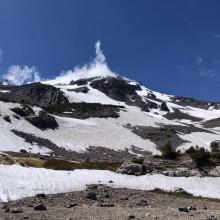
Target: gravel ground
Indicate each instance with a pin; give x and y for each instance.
(105, 203)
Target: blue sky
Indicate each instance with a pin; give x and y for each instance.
(171, 46)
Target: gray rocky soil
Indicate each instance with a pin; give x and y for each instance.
(106, 203)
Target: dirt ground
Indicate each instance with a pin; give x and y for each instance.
(105, 203)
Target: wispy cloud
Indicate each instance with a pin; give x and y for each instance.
(216, 36)
(98, 67)
(199, 60)
(205, 72)
(204, 68)
(18, 75)
(200, 67)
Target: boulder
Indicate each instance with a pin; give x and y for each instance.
(130, 168)
(183, 209)
(91, 195)
(41, 196)
(23, 151)
(180, 191)
(106, 204)
(16, 210)
(40, 207)
(142, 202)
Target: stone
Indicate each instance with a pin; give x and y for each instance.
(41, 196)
(192, 208)
(72, 205)
(124, 198)
(107, 196)
(142, 202)
(183, 209)
(178, 190)
(23, 151)
(131, 216)
(91, 195)
(4, 206)
(105, 204)
(130, 168)
(40, 207)
(16, 210)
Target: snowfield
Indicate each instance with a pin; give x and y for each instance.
(18, 182)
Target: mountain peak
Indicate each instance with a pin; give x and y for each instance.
(97, 68)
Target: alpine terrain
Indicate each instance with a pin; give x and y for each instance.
(93, 139)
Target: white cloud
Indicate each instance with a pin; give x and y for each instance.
(98, 67)
(18, 75)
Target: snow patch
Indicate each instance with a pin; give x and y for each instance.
(19, 182)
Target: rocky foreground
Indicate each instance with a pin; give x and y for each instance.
(102, 202)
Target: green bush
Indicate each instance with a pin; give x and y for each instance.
(190, 151)
(215, 155)
(168, 152)
(200, 157)
(214, 145)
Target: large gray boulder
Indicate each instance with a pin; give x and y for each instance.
(130, 168)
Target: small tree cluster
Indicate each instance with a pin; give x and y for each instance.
(214, 146)
(200, 156)
(168, 152)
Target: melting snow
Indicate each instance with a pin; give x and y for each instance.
(18, 182)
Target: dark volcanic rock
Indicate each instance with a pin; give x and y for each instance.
(121, 90)
(185, 101)
(44, 121)
(163, 107)
(84, 110)
(185, 129)
(7, 118)
(34, 94)
(80, 89)
(25, 111)
(177, 114)
(116, 88)
(82, 82)
(212, 123)
(159, 136)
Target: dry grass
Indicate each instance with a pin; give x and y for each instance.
(58, 164)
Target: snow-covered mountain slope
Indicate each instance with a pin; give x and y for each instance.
(103, 111)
